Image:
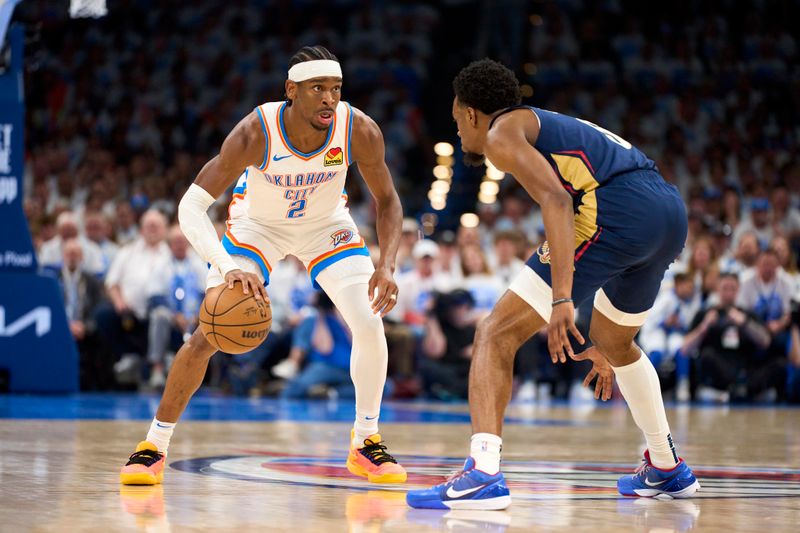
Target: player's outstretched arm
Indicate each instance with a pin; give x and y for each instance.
(368, 151)
(509, 147)
(243, 147)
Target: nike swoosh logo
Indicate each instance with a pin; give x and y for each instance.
(276, 158)
(647, 482)
(159, 425)
(453, 493)
(370, 417)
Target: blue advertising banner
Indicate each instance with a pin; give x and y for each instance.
(37, 352)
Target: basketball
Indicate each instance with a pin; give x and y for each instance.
(232, 321)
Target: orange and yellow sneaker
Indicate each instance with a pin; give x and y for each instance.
(373, 462)
(144, 467)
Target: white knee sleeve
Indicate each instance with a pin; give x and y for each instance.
(347, 284)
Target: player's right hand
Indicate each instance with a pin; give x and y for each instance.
(249, 281)
(600, 368)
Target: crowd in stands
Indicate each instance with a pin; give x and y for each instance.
(124, 111)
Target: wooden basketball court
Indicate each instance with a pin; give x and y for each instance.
(263, 465)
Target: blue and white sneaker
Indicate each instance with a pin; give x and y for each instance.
(469, 489)
(651, 482)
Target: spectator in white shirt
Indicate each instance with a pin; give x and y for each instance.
(130, 286)
(485, 287)
(416, 287)
(505, 261)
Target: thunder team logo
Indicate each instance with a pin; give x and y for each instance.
(334, 156)
(342, 236)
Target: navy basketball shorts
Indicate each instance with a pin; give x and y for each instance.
(639, 229)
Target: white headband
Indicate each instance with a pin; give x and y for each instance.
(319, 68)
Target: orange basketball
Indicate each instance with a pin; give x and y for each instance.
(234, 322)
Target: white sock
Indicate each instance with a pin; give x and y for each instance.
(640, 386)
(485, 449)
(160, 433)
(364, 427)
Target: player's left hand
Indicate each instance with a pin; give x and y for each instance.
(562, 323)
(600, 368)
(382, 291)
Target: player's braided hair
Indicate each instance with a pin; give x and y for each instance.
(487, 85)
(311, 53)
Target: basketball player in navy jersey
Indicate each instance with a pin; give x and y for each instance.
(289, 161)
(613, 226)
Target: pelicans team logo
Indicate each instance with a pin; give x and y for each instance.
(544, 253)
(342, 236)
(334, 156)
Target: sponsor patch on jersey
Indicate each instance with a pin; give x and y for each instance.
(342, 236)
(334, 156)
(544, 253)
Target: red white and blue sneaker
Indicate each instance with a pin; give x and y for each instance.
(651, 482)
(469, 489)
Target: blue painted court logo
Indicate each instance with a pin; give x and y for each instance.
(343, 236)
(528, 480)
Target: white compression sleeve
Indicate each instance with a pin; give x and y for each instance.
(193, 217)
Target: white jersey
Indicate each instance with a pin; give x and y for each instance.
(290, 186)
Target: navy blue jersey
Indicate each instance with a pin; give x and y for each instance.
(566, 141)
(585, 157)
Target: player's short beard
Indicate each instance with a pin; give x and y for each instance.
(471, 159)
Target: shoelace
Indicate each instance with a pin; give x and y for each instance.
(376, 452)
(145, 457)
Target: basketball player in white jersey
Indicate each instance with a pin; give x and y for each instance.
(291, 160)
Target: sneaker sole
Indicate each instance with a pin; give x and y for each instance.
(488, 504)
(687, 492)
(356, 470)
(141, 478)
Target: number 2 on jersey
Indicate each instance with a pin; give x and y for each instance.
(297, 209)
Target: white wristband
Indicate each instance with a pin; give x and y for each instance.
(194, 221)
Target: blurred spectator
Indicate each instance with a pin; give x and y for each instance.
(758, 223)
(175, 296)
(415, 296)
(728, 340)
(51, 253)
(449, 260)
(126, 229)
(485, 287)
(743, 261)
(767, 294)
(98, 230)
(787, 259)
(410, 236)
(447, 346)
(662, 334)
(82, 294)
(506, 263)
(785, 217)
(123, 326)
(323, 341)
(702, 267)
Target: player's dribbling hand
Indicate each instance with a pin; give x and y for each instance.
(600, 368)
(382, 291)
(562, 323)
(249, 281)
